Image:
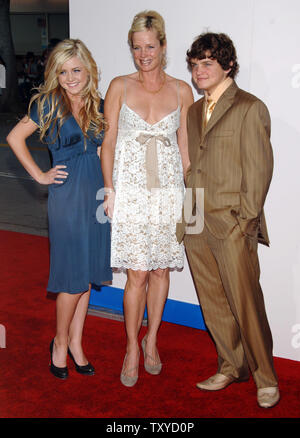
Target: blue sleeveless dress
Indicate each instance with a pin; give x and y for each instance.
(79, 232)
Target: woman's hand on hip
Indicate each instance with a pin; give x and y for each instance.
(51, 177)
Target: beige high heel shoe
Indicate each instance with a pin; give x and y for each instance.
(151, 369)
(128, 380)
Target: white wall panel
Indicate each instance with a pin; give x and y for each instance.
(266, 34)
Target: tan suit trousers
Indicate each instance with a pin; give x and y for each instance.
(226, 275)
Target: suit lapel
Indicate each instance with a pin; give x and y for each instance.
(200, 117)
(224, 103)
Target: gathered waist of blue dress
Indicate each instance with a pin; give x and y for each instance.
(58, 158)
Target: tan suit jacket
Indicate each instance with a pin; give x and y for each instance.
(232, 160)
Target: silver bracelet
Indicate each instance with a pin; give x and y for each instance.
(108, 190)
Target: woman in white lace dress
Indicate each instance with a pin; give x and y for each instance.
(144, 158)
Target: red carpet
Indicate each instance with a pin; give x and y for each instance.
(28, 390)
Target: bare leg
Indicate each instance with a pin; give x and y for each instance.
(76, 328)
(158, 288)
(65, 309)
(134, 307)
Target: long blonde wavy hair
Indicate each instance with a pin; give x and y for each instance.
(50, 93)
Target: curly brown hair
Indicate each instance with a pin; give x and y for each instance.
(216, 46)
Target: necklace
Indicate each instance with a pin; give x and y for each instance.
(150, 91)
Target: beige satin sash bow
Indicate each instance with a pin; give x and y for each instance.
(151, 157)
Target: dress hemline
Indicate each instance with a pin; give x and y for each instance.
(122, 268)
(80, 289)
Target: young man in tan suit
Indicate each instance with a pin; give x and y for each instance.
(231, 158)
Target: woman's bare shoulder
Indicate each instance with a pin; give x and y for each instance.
(186, 88)
(117, 84)
(182, 84)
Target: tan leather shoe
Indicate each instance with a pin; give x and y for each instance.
(215, 383)
(268, 397)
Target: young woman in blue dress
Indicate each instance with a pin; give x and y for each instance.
(66, 110)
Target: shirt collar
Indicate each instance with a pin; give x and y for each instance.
(221, 88)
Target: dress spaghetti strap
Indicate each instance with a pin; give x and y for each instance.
(178, 98)
(125, 84)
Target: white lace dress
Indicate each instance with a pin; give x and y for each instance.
(149, 196)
